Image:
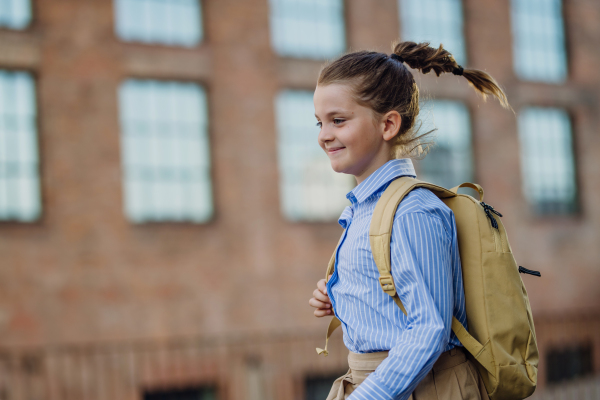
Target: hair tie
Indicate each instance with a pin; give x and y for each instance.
(397, 57)
(458, 71)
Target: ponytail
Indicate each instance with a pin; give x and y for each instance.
(423, 57)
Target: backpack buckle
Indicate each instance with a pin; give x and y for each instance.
(387, 283)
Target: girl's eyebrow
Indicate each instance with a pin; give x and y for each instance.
(332, 112)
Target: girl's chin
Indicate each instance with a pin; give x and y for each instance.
(339, 167)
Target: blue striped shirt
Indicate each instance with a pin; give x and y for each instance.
(427, 272)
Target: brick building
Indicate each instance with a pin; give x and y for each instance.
(184, 267)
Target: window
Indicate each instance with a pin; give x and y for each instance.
(182, 394)
(170, 22)
(450, 161)
(15, 14)
(434, 21)
(539, 40)
(547, 160)
(165, 151)
(19, 165)
(307, 28)
(317, 388)
(310, 189)
(569, 363)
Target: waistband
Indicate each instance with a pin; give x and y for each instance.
(370, 361)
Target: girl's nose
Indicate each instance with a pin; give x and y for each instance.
(325, 135)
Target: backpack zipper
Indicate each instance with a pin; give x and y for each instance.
(489, 212)
(529, 271)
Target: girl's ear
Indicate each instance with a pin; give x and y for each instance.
(391, 125)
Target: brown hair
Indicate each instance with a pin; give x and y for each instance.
(384, 84)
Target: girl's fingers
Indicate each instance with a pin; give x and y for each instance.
(321, 300)
(322, 313)
(318, 304)
(320, 296)
(322, 286)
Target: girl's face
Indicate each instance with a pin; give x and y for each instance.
(354, 140)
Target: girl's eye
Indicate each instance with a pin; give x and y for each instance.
(319, 124)
(337, 121)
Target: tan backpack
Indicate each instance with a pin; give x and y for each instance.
(501, 336)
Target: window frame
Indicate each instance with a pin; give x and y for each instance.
(161, 42)
(209, 143)
(303, 219)
(564, 47)
(471, 137)
(38, 153)
(28, 26)
(577, 210)
(320, 57)
(462, 58)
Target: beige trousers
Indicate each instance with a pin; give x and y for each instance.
(453, 377)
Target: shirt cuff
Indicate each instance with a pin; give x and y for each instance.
(371, 389)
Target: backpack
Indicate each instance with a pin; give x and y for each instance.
(501, 337)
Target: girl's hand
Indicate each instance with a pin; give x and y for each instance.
(320, 300)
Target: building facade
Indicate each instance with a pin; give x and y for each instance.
(165, 212)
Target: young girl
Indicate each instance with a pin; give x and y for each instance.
(366, 105)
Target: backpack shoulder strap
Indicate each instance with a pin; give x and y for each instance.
(380, 232)
(335, 322)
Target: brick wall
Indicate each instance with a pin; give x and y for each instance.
(83, 273)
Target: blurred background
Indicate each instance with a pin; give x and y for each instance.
(166, 211)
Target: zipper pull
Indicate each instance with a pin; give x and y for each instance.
(494, 211)
(529, 271)
(488, 212)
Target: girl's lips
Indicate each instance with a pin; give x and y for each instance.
(335, 150)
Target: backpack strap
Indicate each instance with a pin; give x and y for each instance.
(473, 186)
(380, 233)
(335, 322)
(333, 325)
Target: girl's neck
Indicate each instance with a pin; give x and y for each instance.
(374, 166)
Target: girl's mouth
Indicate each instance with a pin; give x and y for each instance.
(334, 150)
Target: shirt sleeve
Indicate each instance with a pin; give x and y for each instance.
(421, 256)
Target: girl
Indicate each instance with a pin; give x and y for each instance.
(366, 104)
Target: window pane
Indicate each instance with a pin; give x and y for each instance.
(547, 160)
(166, 161)
(307, 28)
(318, 387)
(15, 14)
(19, 176)
(171, 22)
(310, 189)
(434, 21)
(450, 162)
(200, 393)
(539, 40)
(566, 364)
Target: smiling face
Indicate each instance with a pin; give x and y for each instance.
(355, 140)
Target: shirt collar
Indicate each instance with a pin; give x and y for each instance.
(386, 173)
